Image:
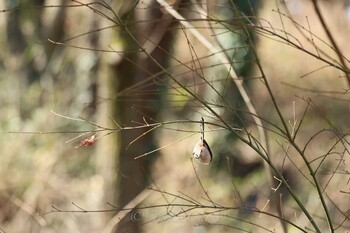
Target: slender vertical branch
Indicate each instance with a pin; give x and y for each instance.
(331, 38)
(202, 130)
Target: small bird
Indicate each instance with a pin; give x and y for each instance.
(201, 150)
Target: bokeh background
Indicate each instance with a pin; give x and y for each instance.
(70, 70)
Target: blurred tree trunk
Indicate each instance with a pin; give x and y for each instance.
(25, 73)
(132, 175)
(22, 58)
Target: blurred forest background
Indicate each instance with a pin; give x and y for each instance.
(101, 103)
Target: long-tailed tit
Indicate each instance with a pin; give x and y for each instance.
(201, 150)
